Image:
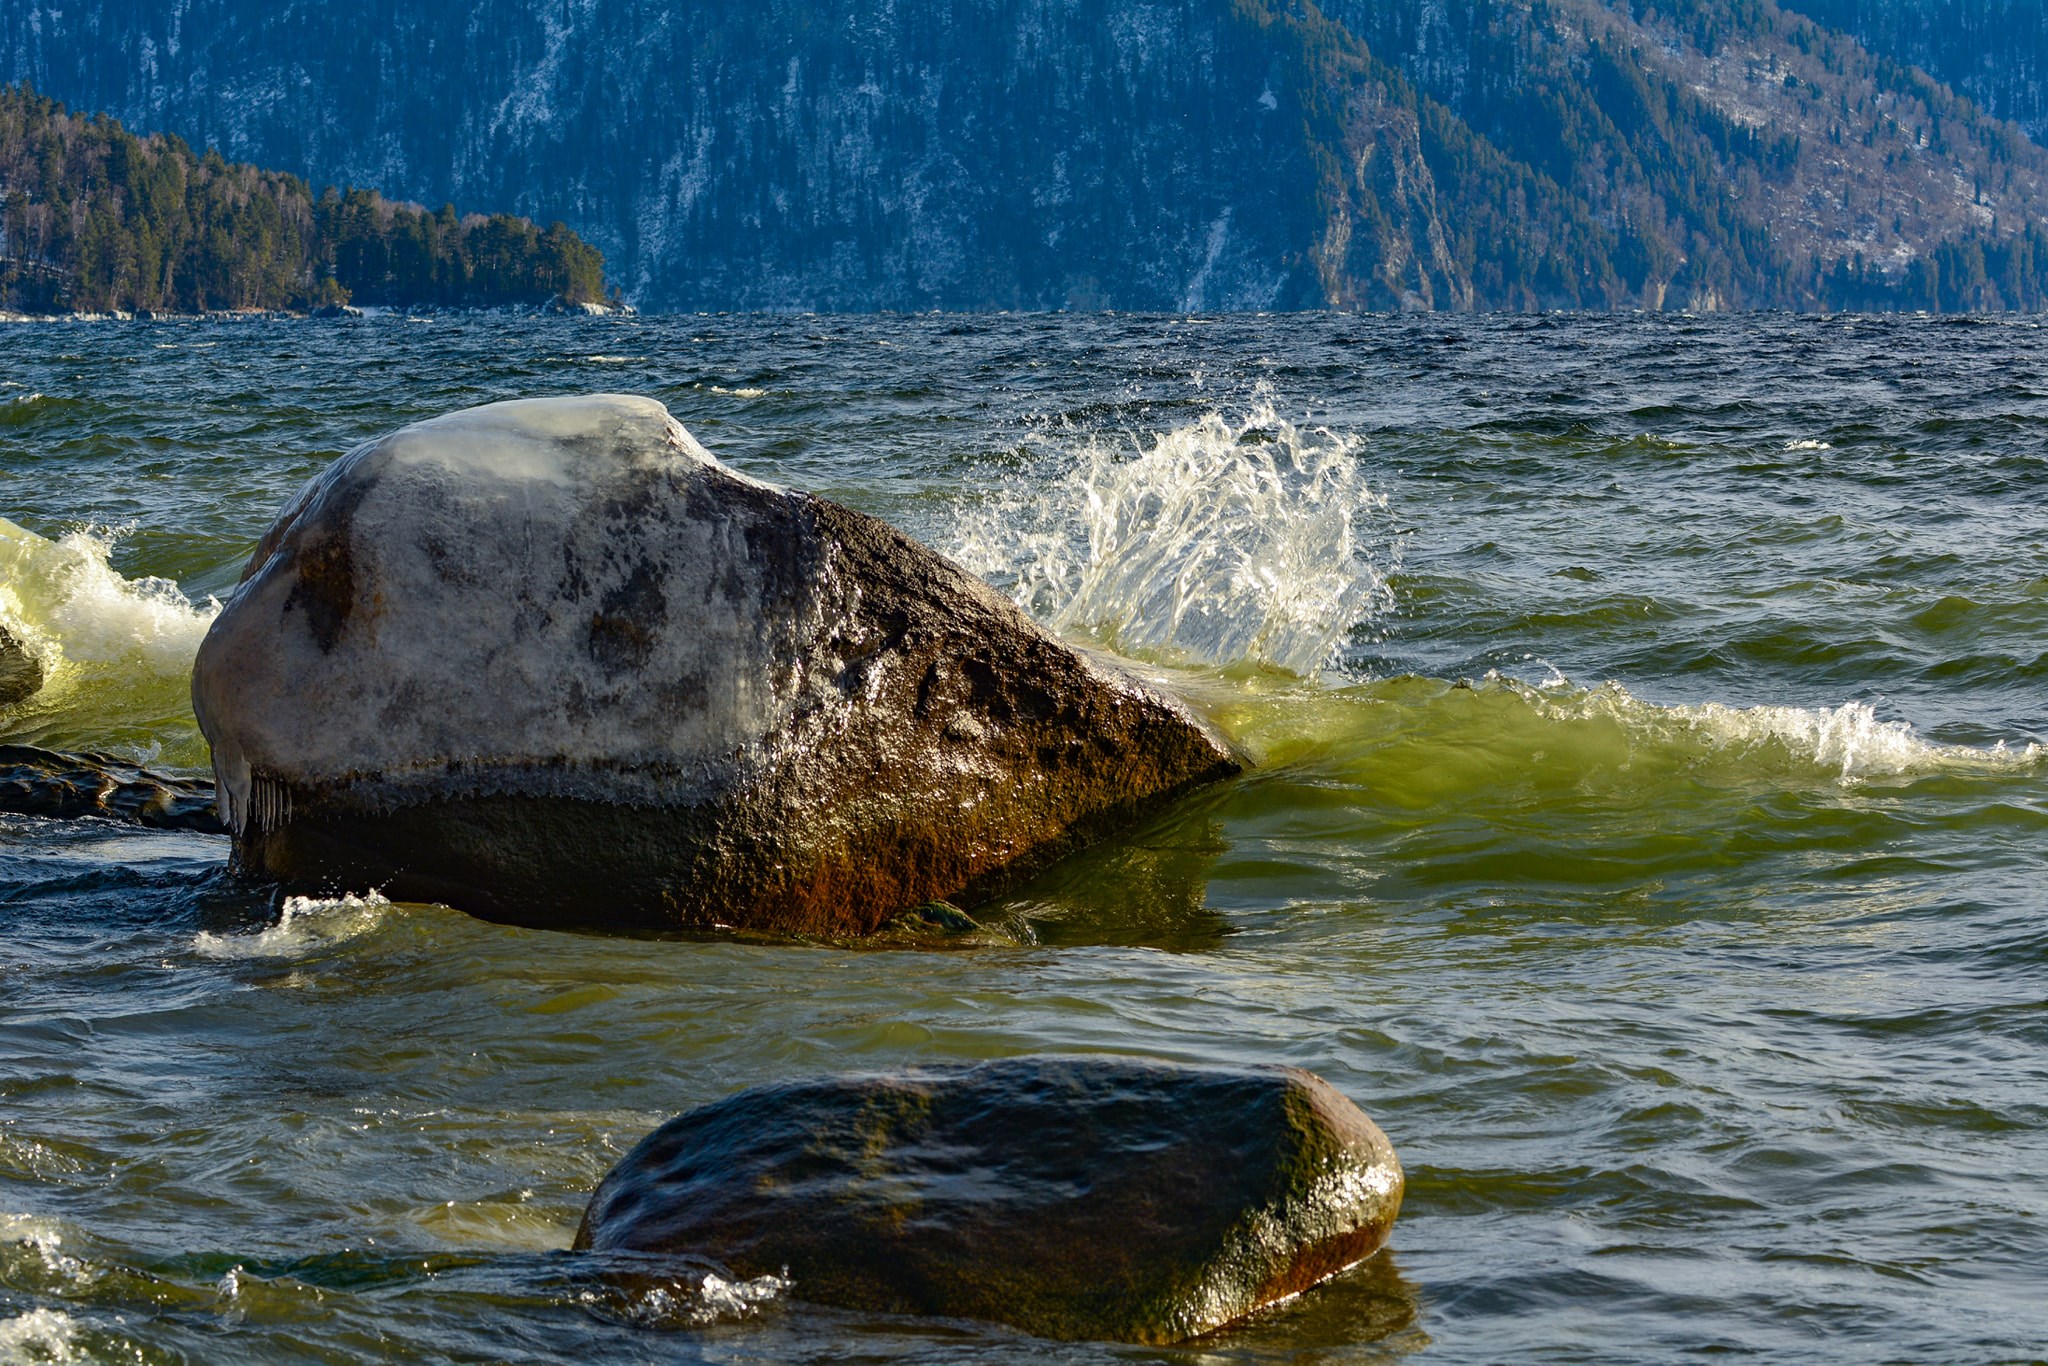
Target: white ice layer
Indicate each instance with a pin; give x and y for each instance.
(477, 555)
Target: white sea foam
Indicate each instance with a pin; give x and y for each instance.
(40, 1335)
(307, 925)
(69, 606)
(1219, 542)
(44, 1239)
(680, 1304)
(1848, 741)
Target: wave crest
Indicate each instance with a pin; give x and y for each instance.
(69, 606)
(1219, 542)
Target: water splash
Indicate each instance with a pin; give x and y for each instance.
(116, 653)
(1217, 543)
(683, 1301)
(70, 607)
(308, 925)
(40, 1335)
(36, 1244)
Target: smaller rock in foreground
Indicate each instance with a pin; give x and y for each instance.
(1077, 1198)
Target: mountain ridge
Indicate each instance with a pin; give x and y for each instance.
(1137, 154)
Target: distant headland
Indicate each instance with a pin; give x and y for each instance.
(97, 221)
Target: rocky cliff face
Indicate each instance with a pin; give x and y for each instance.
(1141, 154)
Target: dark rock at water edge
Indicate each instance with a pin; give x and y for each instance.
(21, 673)
(42, 782)
(550, 662)
(1097, 1198)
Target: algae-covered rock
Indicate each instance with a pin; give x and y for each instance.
(551, 662)
(21, 673)
(1099, 1198)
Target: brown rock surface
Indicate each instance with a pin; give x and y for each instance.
(44, 782)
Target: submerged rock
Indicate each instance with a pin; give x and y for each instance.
(1102, 1198)
(43, 782)
(21, 673)
(550, 662)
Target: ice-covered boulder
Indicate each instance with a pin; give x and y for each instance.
(1101, 1198)
(551, 662)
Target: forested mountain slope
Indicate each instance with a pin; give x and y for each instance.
(93, 219)
(1155, 154)
(1993, 52)
(1740, 154)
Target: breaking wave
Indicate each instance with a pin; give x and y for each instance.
(1849, 740)
(116, 653)
(1425, 740)
(68, 604)
(40, 1335)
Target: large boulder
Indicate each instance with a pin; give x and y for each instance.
(550, 662)
(1097, 1198)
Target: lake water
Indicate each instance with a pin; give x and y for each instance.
(1649, 832)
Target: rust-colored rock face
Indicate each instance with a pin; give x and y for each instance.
(1099, 1198)
(550, 662)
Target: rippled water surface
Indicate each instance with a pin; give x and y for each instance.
(1649, 832)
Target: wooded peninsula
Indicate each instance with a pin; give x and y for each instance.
(94, 219)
